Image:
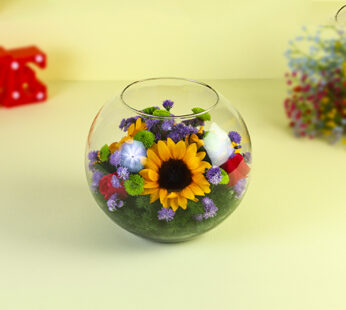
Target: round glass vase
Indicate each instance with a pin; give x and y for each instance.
(168, 159)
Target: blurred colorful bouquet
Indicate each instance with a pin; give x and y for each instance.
(316, 102)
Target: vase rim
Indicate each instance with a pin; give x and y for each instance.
(182, 116)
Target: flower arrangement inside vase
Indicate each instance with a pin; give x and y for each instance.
(169, 179)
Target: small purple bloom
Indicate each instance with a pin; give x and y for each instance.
(151, 122)
(209, 208)
(239, 188)
(165, 214)
(93, 156)
(91, 166)
(111, 204)
(158, 136)
(120, 203)
(174, 135)
(214, 175)
(167, 125)
(97, 176)
(168, 104)
(234, 136)
(122, 123)
(123, 173)
(114, 159)
(115, 182)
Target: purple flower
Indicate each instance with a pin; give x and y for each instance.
(123, 173)
(209, 208)
(165, 214)
(168, 104)
(214, 175)
(111, 204)
(132, 156)
(234, 136)
(91, 166)
(167, 125)
(151, 122)
(115, 182)
(97, 176)
(158, 136)
(122, 123)
(93, 156)
(114, 159)
(125, 123)
(239, 188)
(247, 157)
(174, 135)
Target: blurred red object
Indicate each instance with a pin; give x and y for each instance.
(236, 168)
(18, 82)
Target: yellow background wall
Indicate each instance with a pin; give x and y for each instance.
(131, 39)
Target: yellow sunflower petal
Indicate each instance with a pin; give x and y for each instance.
(174, 203)
(190, 152)
(153, 156)
(172, 195)
(163, 194)
(163, 150)
(196, 189)
(154, 196)
(180, 148)
(149, 174)
(200, 179)
(187, 193)
(193, 163)
(131, 130)
(171, 147)
(205, 188)
(201, 155)
(149, 164)
(182, 201)
(138, 123)
(151, 185)
(148, 191)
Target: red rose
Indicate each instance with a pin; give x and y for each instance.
(106, 188)
(237, 169)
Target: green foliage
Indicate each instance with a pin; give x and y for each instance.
(139, 216)
(225, 177)
(161, 113)
(149, 110)
(134, 185)
(205, 116)
(104, 153)
(146, 137)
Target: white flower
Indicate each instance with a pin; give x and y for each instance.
(218, 145)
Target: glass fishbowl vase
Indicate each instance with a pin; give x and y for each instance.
(168, 159)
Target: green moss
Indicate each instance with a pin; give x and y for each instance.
(134, 185)
(146, 137)
(104, 153)
(205, 116)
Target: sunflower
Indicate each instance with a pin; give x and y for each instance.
(173, 173)
(131, 131)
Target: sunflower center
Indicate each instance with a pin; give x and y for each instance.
(174, 175)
